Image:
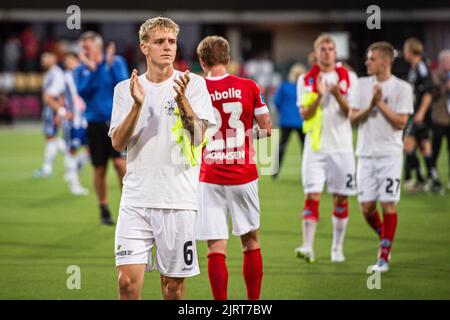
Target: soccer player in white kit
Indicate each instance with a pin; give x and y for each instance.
(324, 94)
(381, 113)
(159, 198)
(58, 95)
(53, 112)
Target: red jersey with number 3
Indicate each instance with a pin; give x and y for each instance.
(228, 156)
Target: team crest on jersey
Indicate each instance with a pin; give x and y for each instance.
(373, 112)
(170, 106)
(262, 98)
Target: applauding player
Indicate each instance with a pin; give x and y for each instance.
(324, 96)
(382, 112)
(229, 177)
(159, 197)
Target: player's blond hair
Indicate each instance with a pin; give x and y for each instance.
(154, 24)
(92, 35)
(214, 50)
(414, 45)
(323, 38)
(384, 47)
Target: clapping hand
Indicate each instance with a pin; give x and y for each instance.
(321, 87)
(90, 63)
(110, 53)
(136, 89)
(334, 89)
(180, 87)
(377, 95)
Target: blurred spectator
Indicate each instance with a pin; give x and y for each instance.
(6, 116)
(289, 116)
(49, 44)
(30, 46)
(441, 107)
(11, 53)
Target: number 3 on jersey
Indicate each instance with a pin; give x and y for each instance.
(228, 142)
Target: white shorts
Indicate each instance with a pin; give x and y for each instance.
(217, 202)
(337, 170)
(379, 178)
(173, 233)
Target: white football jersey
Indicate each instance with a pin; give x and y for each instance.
(54, 82)
(376, 136)
(157, 175)
(336, 128)
(74, 102)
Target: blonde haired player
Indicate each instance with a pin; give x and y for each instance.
(159, 197)
(324, 96)
(381, 113)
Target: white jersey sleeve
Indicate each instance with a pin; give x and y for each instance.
(56, 86)
(122, 104)
(300, 90)
(353, 91)
(198, 96)
(404, 103)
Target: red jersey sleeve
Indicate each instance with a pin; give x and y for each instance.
(259, 103)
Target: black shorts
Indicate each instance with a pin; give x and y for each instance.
(419, 132)
(100, 145)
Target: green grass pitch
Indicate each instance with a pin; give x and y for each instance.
(43, 230)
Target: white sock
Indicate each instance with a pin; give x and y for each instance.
(70, 162)
(339, 228)
(309, 231)
(82, 158)
(62, 147)
(50, 152)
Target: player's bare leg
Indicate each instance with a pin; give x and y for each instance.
(217, 268)
(131, 280)
(310, 217)
(339, 220)
(121, 167)
(100, 184)
(172, 288)
(252, 267)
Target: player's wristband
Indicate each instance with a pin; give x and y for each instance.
(62, 111)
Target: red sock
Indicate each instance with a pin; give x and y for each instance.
(387, 234)
(218, 275)
(375, 222)
(341, 210)
(253, 273)
(311, 210)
